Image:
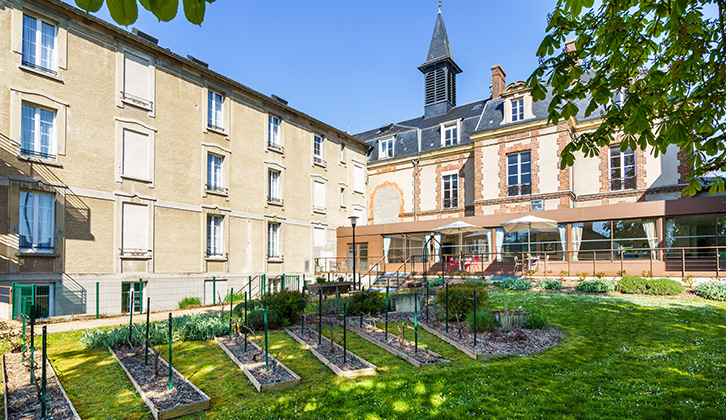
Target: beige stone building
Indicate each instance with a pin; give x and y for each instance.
(123, 161)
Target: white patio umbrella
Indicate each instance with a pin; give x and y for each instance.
(529, 223)
(460, 228)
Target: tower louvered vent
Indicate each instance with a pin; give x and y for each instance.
(440, 86)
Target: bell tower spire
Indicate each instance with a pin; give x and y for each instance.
(440, 72)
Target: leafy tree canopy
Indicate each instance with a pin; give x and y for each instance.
(125, 12)
(654, 70)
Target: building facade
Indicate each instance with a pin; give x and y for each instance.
(124, 161)
(497, 159)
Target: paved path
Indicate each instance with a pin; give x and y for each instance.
(88, 323)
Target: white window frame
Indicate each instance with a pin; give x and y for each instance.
(274, 134)
(446, 129)
(215, 236)
(274, 235)
(37, 61)
(451, 190)
(35, 220)
(319, 150)
(36, 152)
(386, 149)
(215, 174)
(615, 152)
(518, 110)
(274, 192)
(215, 117)
(519, 173)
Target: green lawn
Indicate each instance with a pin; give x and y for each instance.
(622, 357)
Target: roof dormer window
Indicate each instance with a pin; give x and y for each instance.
(385, 149)
(450, 133)
(517, 109)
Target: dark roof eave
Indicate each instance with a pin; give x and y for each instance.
(439, 60)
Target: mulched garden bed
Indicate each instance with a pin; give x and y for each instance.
(500, 342)
(331, 354)
(400, 347)
(252, 363)
(153, 385)
(22, 400)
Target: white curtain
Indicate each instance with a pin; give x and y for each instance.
(576, 233)
(437, 247)
(386, 246)
(563, 239)
(500, 243)
(488, 247)
(649, 227)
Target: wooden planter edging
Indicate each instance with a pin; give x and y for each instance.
(53, 375)
(464, 349)
(260, 387)
(171, 413)
(394, 350)
(371, 370)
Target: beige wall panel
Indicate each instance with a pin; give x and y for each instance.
(177, 248)
(490, 169)
(89, 235)
(242, 245)
(427, 179)
(663, 170)
(295, 248)
(548, 164)
(586, 174)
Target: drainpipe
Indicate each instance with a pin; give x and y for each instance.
(416, 170)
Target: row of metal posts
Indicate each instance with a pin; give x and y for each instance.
(44, 356)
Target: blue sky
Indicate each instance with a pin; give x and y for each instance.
(353, 64)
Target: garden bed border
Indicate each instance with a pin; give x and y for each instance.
(170, 413)
(53, 375)
(461, 347)
(260, 387)
(362, 334)
(372, 370)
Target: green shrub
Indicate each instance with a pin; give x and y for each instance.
(320, 279)
(537, 319)
(549, 285)
(461, 298)
(256, 320)
(288, 304)
(369, 302)
(334, 306)
(485, 320)
(649, 286)
(497, 284)
(711, 290)
(190, 302)
(596, 286)
(475, 281)
(190, 327)
(239, 308)
(516, 284)
(436, 282)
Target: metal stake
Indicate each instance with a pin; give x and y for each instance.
(320, 316)
(170, 355)
(43, 380)
(32, 343)
(415, 321)
(131, 312)
(386, 338)
(267, 362)
(345, 340)
(474, 318)
(246, 321)
(148, 312)
(231, 302)
(447, 305)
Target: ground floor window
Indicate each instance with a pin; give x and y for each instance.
(27, 295)
(361, 256)
(695, 233)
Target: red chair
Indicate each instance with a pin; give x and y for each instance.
(469, 263)
(453, 264)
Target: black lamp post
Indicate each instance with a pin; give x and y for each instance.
(353, 221)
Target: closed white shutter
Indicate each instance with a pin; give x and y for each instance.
(319, 236)
(135, 229)
(359, 179)
(136, 155)
(136, 76)
(319, 195)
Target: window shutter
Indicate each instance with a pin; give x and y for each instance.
(136, 155)
(319, 194)
(359, 179)
(136, 76)
(135, 229)
(319, 236)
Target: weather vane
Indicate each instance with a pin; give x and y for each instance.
(439, 4)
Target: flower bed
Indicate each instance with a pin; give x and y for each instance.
(401, 348)
(331, 354)
(498, 343)
(152, 384)
(22, 400)
(252, 363)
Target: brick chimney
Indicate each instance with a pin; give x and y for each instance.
(498, 81)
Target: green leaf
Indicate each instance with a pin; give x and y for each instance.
(194, 11)
(124, 12)
(164, 10)
(90, 5)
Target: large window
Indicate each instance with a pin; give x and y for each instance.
(215, 171)
(517, 109)
(394, 248)
(274, 195)
(692, 232)
(134, 229)
(39, 45)
(318, 150)
(214, 236)
(361, 256)
(36, 222)
(385, 149)
(215, 119)
(137, 81)
(273, 133)
(135, 155)
(519, 173)
(535, 241)
(450, 135)
(622, 169)
(273, 240)
(451, 191)
(37, 138)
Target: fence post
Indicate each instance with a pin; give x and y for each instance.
(148, 313)
(345, 328)
(264, 308)
(282, 287)
(97, 299)
(245, 324)
(43, 380)
(447, 305)
(249, 287)
(683, 262)
(141, 296)
(474, 318)
(231, 305)
(131, 312)
(320, 316)
(171, 372)
(22, 348)
(360, 283)
(32, 343)
(386, 337)
(302, 314)
(415, 321)
(214, 292)
(427, 301)
(303, 281)
(262, 284)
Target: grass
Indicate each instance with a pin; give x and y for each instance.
(624, 357)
